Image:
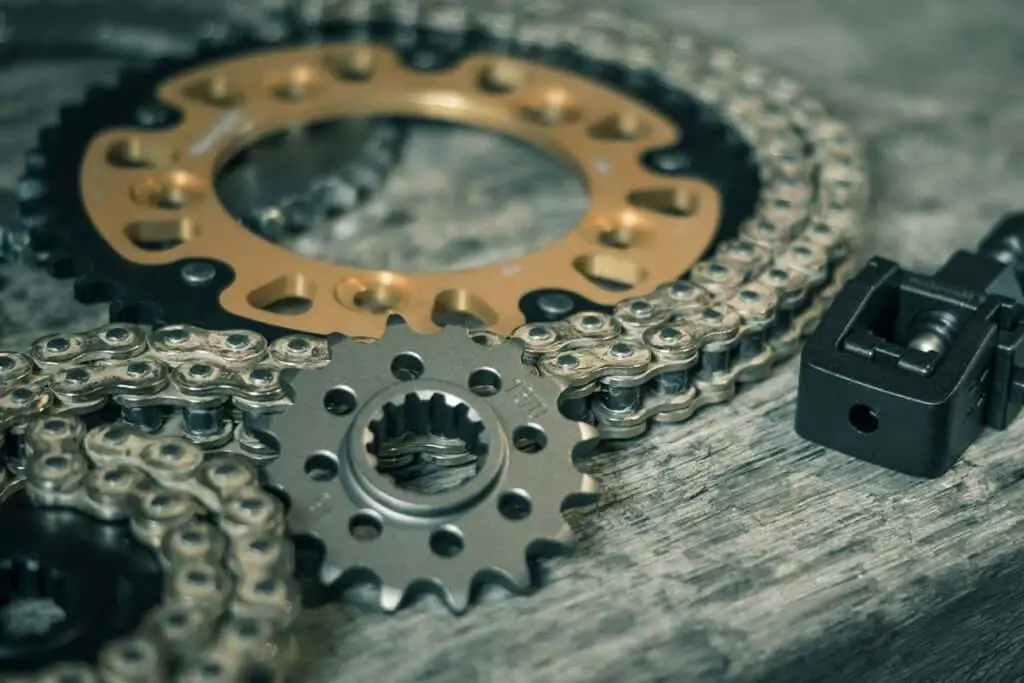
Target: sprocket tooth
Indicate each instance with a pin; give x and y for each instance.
(35, 162)
(454, 332)
(287, 380)
(509, 348)
(390, 599)
(48, 138)
(60, 264)
(588, 494)
(394, 321)
(32, 188)
(517, 580)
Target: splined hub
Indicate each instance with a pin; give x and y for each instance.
(422, 436)
(135, 212)
(410, 399)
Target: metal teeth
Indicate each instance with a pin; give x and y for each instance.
(500, 499)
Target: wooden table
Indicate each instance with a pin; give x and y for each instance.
(726, 549)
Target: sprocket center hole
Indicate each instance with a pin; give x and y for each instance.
(428, 442)
(34, 599)
(496, 199)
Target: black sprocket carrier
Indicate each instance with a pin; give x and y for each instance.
(64, 239)
(68, 584)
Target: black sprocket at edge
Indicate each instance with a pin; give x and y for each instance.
(63, 239)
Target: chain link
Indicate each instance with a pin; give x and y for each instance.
(165, 467)
(218, 385)
(229, 596)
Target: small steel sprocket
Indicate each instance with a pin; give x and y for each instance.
(338, 464)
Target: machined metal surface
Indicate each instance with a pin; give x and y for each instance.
(344, 486)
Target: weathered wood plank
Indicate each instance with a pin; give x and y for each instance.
(726, 549)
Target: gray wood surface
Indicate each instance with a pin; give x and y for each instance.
(726, 549)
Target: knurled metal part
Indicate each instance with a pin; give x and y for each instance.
(356, 423)
(615, 109)
(228, 598)
(362, 152)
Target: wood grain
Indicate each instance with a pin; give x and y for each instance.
(726, 549)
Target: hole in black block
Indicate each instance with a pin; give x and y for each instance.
(863, 418)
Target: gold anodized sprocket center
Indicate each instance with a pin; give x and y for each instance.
(151, 194)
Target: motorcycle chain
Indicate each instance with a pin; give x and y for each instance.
(229, 597)
(182, 392)
(744, 308)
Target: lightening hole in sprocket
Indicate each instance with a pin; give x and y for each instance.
(322, 467)
(485, 382)
(351, 65)
(529, 439)
(428, 442)
(377, 299)
(286, 295)
(138, 152)
(610, 272)
(340, 401)
(515, 505)
(447, 542)
(501, 78)
(161, 235)
(365, 526)
(406, 367)
(215, 91)
(674, 202)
